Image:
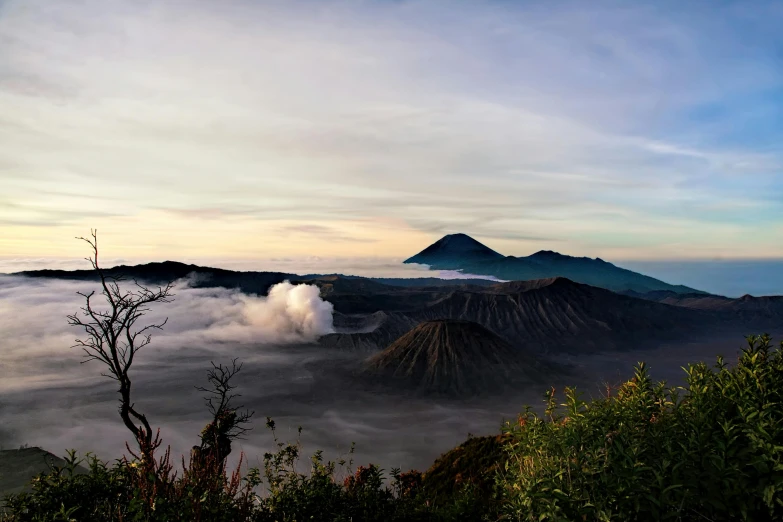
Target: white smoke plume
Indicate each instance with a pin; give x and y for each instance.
(35, 336)
(290, 314)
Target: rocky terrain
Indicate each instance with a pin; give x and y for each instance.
(455, 357)
(549, 316)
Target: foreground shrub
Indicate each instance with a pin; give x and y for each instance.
(361, 496)
(711, 450)
(135, 490)
(131, 490)
(470, 468)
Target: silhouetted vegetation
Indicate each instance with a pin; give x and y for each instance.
(113, 338)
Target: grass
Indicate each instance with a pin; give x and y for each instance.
(711, 450)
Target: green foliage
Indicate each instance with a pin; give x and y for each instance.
(469, 468)
(129, 490)
(62, 494)
(361, 496)
(712, 450)
(135, 490)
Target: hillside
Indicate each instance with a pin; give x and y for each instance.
(19, 466)
(254, 282)
(454, 249)
(549, 315)
(454, 357)
(475, 462)
(751, 311)
(560, 314)
(461, 252)
(167, 271)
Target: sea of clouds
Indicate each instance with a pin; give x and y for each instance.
(35, 336)
(48, 398)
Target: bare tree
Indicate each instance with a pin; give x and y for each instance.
(228, 423)
(114, 337)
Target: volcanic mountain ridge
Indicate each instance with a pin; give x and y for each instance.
(455, 358)
(549, 316)
(462, 252)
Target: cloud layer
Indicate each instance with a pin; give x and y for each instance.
(48, 398)
(197, 319)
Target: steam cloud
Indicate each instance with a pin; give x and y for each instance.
(290, 314)
(35, 336)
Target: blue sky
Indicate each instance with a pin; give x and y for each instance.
(621, 130)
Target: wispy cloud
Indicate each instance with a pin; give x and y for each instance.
(512, 120)
(327, 233)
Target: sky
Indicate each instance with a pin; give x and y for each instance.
(241, 130)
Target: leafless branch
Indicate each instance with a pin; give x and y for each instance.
(113, 339)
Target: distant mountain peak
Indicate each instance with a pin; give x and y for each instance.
(535, 284)
(454, 248)
(547, 254)
(461, 242)
(462, 252)
(551, 255)
(459, 236)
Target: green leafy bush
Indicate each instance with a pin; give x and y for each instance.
(468, 470)
(711, 450)
(131, 490)
(134, 490)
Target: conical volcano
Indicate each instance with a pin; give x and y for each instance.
(454, 357)
(453, 250)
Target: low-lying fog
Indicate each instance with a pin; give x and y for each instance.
(49, 399)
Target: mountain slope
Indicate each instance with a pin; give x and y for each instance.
(754, 312)
(547, 316)
(166, 271)
(454, 248)
(472, 257)
(454, 358)
(360, 332)
(558, 314)
(19, 466)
